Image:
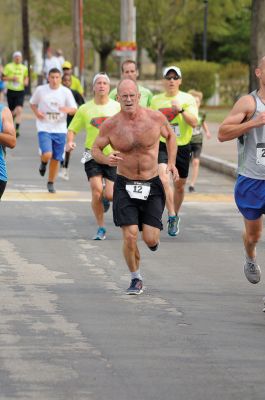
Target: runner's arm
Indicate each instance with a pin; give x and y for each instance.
(102, 140)
(233, 127)
(8, 135)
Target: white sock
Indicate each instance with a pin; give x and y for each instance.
(250, 259)
(136, 275)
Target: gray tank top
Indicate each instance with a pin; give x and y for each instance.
(251, 147)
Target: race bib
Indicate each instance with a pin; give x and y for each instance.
(53, 116)
(176, 130)
(138, 190)
(197, 131)
(87, 156)
(260, 160)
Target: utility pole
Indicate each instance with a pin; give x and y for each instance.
(78, 38)
(128, 27)
(25, 35)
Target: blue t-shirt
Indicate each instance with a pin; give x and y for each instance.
(3, 173)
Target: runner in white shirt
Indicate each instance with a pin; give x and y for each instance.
(51, 103)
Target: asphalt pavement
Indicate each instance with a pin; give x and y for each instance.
(67, 329)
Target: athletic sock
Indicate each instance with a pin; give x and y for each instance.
(250, 259)
(136, 275)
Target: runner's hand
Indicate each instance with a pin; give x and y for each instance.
(70, 146)
(114, 159)
(171, 168)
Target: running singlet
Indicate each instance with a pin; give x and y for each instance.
(18, 70)
(89, 117)
(251, 147)
(163, 103)
(3, 173)
(145, 99)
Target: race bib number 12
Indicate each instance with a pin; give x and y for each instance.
(138, 190)
(260, 160)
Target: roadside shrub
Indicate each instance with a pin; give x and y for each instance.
(234, 81)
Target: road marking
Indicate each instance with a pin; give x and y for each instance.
(66, 196)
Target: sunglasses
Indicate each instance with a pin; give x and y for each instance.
(175, 78)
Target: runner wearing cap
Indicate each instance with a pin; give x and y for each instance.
(182, 113)
(129, 70)
(16, 76)
(75, 84)
(89, 117)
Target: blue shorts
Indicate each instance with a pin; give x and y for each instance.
(250, 197)
(52, 143)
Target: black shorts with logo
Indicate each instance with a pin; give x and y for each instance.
(15, 98)
(93, 168)
(182, 160)
(128, 211)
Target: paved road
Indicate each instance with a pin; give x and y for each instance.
(68, 331)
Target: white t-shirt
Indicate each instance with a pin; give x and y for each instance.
(49, 101)
(50, 63)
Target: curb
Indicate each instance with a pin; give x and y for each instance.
(218, 165)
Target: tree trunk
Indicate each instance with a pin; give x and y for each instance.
(159, 61)
(103, 61)
(257, 43)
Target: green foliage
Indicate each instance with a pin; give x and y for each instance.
(198, 75)
(234, 80)
(102, 26)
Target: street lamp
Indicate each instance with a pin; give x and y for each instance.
(204, 41)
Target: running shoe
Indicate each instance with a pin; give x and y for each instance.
(106, 204)
(42, 168)
(50, 187)
(64, 174)
(252, 272)
(191, 189)
(136, 287)
(101, 234)
(172, 226)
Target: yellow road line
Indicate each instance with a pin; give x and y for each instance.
(66, 196)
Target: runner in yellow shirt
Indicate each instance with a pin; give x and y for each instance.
(182, 113)
(129, 70)
(16, 76)
(89, 117)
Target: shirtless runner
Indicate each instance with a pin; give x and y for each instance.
(139, 198)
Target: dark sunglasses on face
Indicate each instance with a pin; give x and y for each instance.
(175, 78)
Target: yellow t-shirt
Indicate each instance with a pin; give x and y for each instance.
(89, 117)
(76, 85)
(18, 70)
(163, 103)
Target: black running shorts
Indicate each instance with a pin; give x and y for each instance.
(196, 149)
(15, 98)
(182, 160)
(128, 211)
(2, 187)
(93, 168)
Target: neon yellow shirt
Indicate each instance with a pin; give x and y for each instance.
(163, 103)
(18, 70)
(76, 85)
(89, 117)
(145, 99)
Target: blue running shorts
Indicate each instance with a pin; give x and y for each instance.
(250, 197)
(52, 143)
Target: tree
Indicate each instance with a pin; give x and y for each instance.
(102, 26)
(161, 28)
(257, 44)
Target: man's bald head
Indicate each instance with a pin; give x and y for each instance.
(127, 83)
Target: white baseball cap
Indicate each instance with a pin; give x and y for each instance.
(101, 75)
(17, 54)
(172, 68)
